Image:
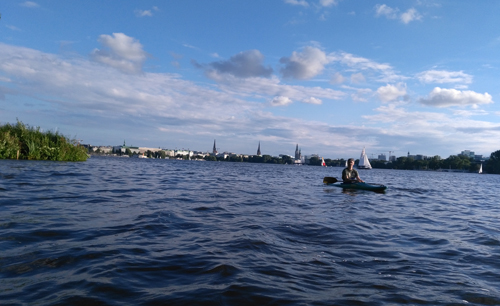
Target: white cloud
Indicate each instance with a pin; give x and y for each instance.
(120, 51)
(384, 10)
(30, 4)
(386, 71)
(143, 13)
(361, 95)
(297, 2)
(391, 92)
(281, 101)
(357, 78)
(337, 78)
(441, 97)
(410, 15)
(272, 87)
(304, 65)
(393, 13)
(312, 100)
(245, 64)
(443, 76)
(328, 3)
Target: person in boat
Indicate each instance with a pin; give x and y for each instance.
(349, 174)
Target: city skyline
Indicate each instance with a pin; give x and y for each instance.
(332, 75)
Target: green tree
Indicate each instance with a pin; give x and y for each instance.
(493, 164)
(314, 161)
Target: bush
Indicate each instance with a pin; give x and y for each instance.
(21, 141)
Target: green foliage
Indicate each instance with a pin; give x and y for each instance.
(493, 164)
(21, 141)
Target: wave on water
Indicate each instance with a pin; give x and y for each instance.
(114, 231)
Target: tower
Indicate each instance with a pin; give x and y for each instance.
(258, 150)
(297, 153)
(215, 149)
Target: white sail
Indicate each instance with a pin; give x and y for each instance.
(364, 163)
(481, 169)
(323, 162)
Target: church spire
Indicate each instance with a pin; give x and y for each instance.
(258, 150)
(215, 149)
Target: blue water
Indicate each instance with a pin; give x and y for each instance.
(120, 231)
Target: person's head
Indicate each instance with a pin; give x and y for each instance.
(350, 160)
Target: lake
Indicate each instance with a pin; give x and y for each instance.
(123, 231)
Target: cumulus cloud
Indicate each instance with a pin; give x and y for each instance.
(443, 76)
(280, 101)
(245, 64)
(97, 98)
(442, 97)
(384, 10)
(297, 2)
(304, 65)
(394, 13)
(121, 52)
(312, 100)
(337, 78)
(410, 15)
(391, 92)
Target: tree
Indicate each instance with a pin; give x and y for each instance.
(493, 164)
(314, 161)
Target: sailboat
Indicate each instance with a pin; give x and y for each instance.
(323, 162)
(364, 163)
(481, 169)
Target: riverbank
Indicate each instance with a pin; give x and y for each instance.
(21, 141)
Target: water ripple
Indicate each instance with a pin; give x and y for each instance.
(114, 231)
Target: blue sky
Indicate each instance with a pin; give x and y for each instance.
(333, 76)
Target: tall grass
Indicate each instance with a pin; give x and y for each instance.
(20, 141)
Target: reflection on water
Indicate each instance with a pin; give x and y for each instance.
(122, 231)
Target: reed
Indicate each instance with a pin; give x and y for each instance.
(21, 141)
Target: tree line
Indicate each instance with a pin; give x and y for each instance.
(454, 162)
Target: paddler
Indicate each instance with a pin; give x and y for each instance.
(349, 174)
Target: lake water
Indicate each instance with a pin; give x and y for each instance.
(120, 231)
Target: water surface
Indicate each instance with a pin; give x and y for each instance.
(117, 231)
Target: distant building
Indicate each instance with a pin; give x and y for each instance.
(258, 150)
(214, 152)
(420, 157)
(382, 157)
(123, 149)
(467, 153)
(298, 154)
(392, 158)
(183, 153)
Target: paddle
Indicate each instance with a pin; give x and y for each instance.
(329, 180)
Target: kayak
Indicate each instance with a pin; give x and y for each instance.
(331, 181)
(361, 186)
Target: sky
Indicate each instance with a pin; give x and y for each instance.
(333, 76)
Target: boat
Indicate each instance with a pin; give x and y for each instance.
(323, 162)
(481, 169)
(364, 163)
(331, 181)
